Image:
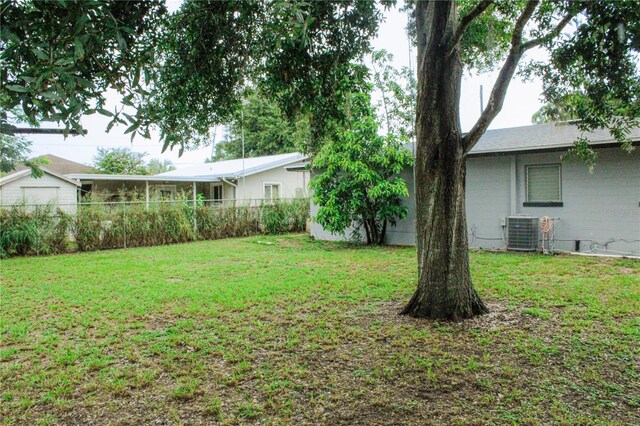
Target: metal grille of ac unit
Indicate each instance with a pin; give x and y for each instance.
(522, 233)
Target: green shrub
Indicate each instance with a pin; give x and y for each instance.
(88, 230)
(40, 231)
(273, 219)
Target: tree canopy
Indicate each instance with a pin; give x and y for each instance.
(157, 165)
(297, 52)
(397, 90)
(15, 150)
(267, 131)
(563, 109)
(59, 57)
(120, 161)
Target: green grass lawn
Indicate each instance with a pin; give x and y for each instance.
(285, 330)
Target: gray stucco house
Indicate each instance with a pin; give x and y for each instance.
(515, 177)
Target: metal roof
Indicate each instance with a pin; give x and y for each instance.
(140, 178)
(235, 168)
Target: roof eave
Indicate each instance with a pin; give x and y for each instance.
(18, 175)
(269, 166)
(549, 148)
(141, 178)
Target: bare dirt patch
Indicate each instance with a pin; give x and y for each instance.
(499, 316)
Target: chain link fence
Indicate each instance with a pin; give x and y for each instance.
(36, 229)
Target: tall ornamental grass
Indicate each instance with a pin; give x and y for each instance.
(29, 231)
(102, 226)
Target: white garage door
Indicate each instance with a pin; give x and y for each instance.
(40, 194)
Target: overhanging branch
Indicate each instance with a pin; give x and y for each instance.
(466, 20)
(504, 78)
(554, 33)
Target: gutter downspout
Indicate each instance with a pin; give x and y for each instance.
(232, 184)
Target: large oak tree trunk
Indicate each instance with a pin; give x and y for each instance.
(445, 290)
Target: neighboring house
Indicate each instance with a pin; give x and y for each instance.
(251, 180)
(518, 172)
(60, 165)
(52, 188)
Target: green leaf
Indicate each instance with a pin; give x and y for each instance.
(121, 41)
(105, 112)
(79, 49)
(84, 83)
(132, 128)
(41, 54)
(110, 124)
(17, 88)
(51, 95)
(64, 62)
(127, 100)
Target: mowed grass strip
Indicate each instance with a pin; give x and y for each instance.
(286, 330)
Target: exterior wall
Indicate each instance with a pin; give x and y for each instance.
(317, 231)
(44, 190)
(252, 187)
(404, 233)
(598, 207)
(488, 199)
(601, 208)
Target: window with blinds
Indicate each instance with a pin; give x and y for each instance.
(544, 183)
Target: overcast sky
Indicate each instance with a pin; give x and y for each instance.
(523, 99)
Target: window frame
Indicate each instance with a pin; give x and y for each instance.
(213, 198)
(170, 188)
(271, 184)
(543, 203)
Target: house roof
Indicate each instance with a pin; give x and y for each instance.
(26, 172)
(60, 165)
(540, 137)
(139, 178)
(235, 168)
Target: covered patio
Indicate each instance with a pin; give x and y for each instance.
(153, 188)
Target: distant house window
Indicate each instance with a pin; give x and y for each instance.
(167, 192)
(85, 190)
(271, 191)
(544, 183)
(217, 193)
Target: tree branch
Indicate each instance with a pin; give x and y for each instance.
(554, 33)
(504, 78)
(466, 20)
